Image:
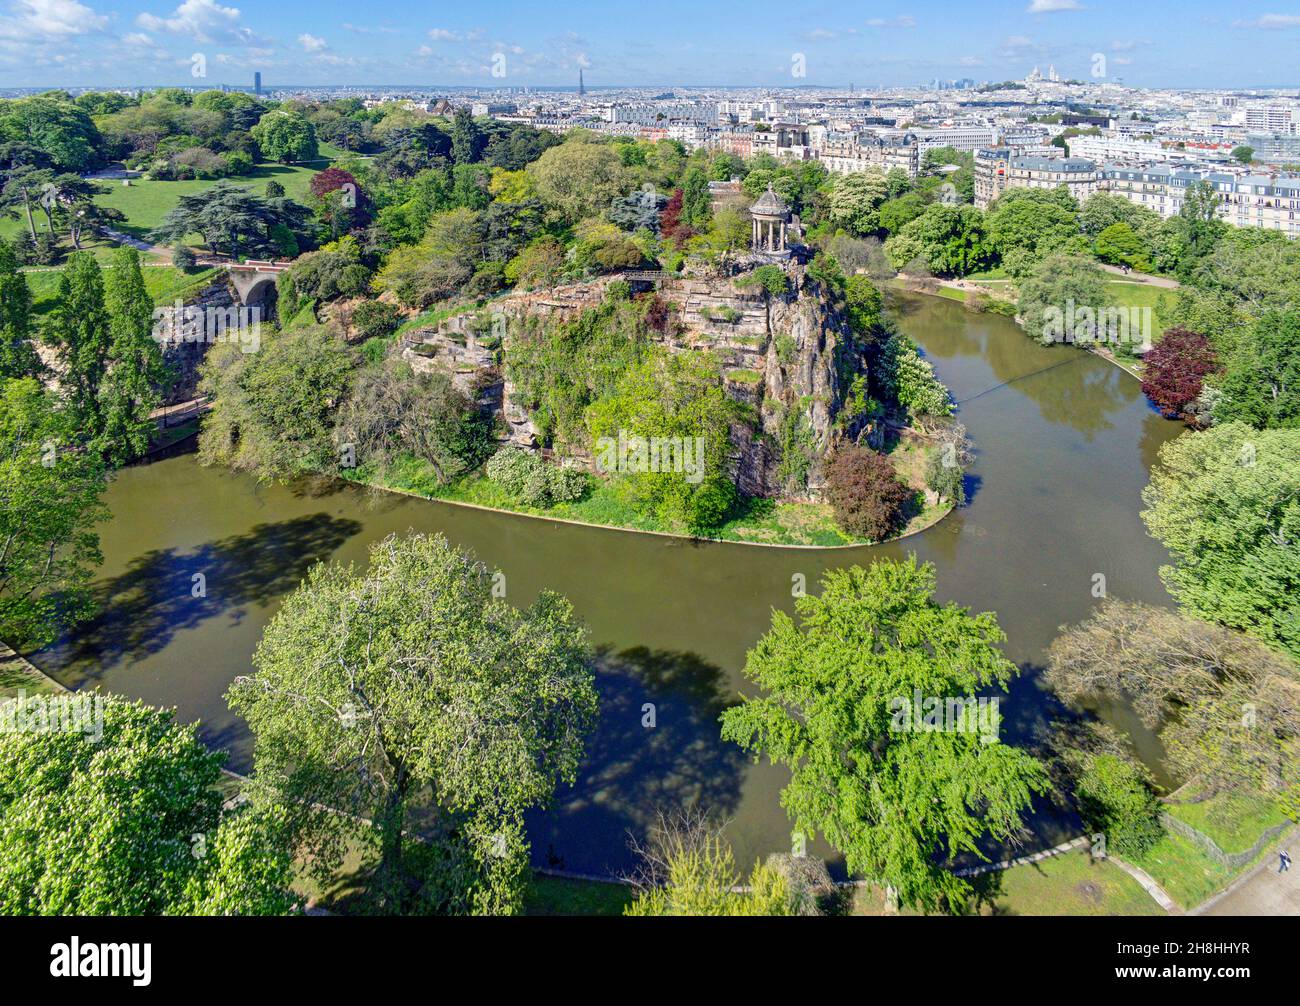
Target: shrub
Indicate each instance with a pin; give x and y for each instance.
(1115, 799)
(536, 488)
(509, 467)
(375, 318)
(183, 257)
(945, 477)
(865, 492)
(567, 485)
(533, 482)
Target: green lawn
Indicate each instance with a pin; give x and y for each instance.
(1235, 823)
(1183, 870)
(145, 202)
(561, 896)
(1128, 294)
(165, 283)
(1072, 883)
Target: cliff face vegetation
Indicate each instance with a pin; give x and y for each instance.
(778, 342)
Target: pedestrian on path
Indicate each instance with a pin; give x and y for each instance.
(1285, 864)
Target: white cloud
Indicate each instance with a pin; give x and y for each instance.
(817, 34)
(1052, 6)
(41, 20)
(1272, 22)
(902, 21)
(312, 43)
(443, 35)
(202, 21)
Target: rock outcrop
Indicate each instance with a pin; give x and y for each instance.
(783, 356)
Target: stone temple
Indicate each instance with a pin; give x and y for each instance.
(771, 222)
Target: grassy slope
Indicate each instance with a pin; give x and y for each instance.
(1070, 884)
(146, 202)
(1234, 823)
(768, 523)
(16, 675)
(164, 284)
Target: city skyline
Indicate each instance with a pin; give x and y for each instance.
(49, 43)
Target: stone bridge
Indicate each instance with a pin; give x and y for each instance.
(254, 280)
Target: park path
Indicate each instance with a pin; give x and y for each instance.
(1141, 279)
(1148, 883)
(1262, 891)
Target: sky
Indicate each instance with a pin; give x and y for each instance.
(1160, 43)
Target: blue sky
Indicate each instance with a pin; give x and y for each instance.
(671, 42)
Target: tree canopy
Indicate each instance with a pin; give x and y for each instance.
(897, 799)
(1226, 503)
(413, 687)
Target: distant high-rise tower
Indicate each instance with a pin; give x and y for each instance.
(257, 83)
(582, 88)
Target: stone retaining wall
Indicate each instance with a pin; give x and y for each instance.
(1232, 860)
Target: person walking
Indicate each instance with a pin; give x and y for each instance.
(1285, 863)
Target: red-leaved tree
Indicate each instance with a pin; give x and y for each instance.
(671, 226)
(1174, 371)
(866, 494)
(327, 181)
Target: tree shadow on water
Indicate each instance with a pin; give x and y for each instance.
(141, 610)
(634, 769)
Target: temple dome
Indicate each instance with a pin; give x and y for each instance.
(770, 205)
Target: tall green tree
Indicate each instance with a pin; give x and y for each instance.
(1261, 382)
(1026, 226)
(17, 355)
(696, 205)
(1198, 225)
(467, 140)
(273, 410)
(896, 795)
(79, 329)
(413, 689)
(1226, 503)
(855, 201)
(136, 375)
(50, 493)
(285, 136)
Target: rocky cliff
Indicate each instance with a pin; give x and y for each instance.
(786, 356)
